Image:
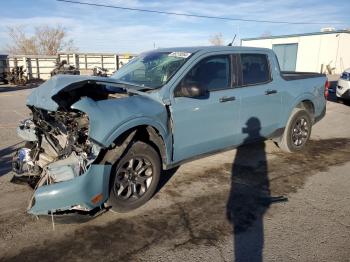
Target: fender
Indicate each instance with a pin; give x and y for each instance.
(111, 118)
(296, 101)
(144, 121)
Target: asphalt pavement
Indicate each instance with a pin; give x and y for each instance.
(250, 204)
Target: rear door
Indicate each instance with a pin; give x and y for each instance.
(260, 96)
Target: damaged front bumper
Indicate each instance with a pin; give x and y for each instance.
(84, 192)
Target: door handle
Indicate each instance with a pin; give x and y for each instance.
(269, 92)
(227, 98)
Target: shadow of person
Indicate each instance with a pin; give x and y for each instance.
(249, 196)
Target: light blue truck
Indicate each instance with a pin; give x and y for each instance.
(94, 141)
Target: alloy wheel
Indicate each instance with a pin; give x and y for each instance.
(133, 179)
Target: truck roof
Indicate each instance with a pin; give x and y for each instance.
(193, 49)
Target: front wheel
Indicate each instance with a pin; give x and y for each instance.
(135, 178)
(297, 131)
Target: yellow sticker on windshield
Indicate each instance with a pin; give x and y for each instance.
(180, 54)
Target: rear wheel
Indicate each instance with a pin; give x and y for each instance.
(297, 131)
(135, 178)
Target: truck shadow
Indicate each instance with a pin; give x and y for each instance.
(165, 177)
(196, 223)
(249, 196)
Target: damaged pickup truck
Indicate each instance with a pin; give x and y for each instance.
(94, 142)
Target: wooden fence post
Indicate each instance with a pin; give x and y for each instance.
(115, 62)
(76, 61)
(29, 68)
(37, 68)
(25, 66)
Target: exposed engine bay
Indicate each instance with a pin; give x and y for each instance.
(79, 128)
(57, 145)
(57, 142)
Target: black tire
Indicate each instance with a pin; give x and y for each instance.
(126, 180)
(297, 131)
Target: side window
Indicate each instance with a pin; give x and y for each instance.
(255, 69)
(212, 73)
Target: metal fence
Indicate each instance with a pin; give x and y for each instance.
(40, 67)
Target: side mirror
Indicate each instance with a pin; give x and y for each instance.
(191, 90)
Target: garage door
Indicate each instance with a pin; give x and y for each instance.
(287, 56)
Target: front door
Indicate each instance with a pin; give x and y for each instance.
(209, 123)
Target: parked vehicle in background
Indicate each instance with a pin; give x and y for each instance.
(97, 140)
(63, 68)
(343, 86)
(17, 76)
(99, 71)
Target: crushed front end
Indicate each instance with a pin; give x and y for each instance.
(70, 140)
(59, 153)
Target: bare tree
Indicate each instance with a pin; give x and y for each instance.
(216, 39)
(45, 41)
(21, 44)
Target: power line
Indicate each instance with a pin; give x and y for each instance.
(197, 16)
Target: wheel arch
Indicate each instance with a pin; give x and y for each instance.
(306, 102)
(309, 106)
(151, 134)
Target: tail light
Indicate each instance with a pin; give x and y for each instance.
(326, 89)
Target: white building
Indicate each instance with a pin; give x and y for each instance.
(325, 51)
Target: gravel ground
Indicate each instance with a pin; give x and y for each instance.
(221, 208)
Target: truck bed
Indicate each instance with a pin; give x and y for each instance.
(291, 75)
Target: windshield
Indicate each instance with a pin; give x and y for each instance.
(151, 69)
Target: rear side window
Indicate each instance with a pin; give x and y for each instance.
(255, 69)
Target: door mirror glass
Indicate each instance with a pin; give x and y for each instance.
(191, 89)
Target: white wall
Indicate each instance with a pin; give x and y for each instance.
(314, 50)
(41, 66)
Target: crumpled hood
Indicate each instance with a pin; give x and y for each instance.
(41, 96)
(108, 118)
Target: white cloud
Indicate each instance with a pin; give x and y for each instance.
(37, 21)
(133, 38)
(97, 29)
(307, 11)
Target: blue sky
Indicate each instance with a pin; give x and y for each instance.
(110, 30)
